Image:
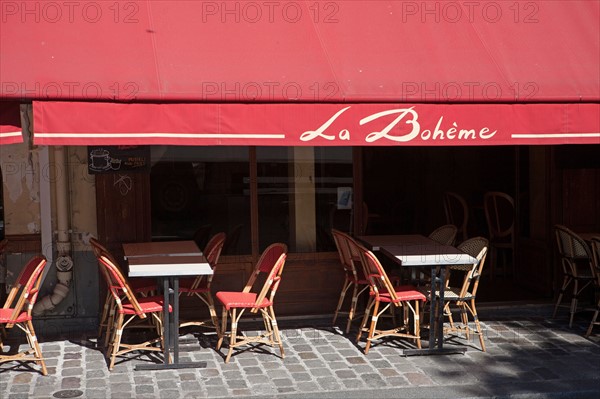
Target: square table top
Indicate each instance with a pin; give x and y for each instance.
(428, 255)
(162, 259)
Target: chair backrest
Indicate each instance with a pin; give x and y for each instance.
(201, 235)
(379, 283)
(27, 285)
(272, 281)
(595, 243)
(119, 287)
(572, 249)
(265, 263)
(477, 247)
(445, 234)
(100, 249)
(499, 211)
(213, 249)
(349, 252)
(457, 212)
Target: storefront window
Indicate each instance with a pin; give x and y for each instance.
(298, 195)
(199, 191)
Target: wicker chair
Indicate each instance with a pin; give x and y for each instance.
(355, 278)
(596, 258)
(17, 312)
(500, 216)
(200, 286)
(384, 296)
(235, 304)
(577, 266)
(463, 297)
(457, 212)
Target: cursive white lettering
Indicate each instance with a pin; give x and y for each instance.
(374, 136)
(312, 134)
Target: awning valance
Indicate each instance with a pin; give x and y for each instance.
(10, 123)
(315, 124)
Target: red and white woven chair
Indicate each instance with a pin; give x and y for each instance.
(384, 296)
(235, 304)
(17, 312)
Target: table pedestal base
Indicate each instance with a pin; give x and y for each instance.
(434, 351)
(172, 366)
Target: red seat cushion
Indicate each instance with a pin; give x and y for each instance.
(5, 315)
(148, 305)
(403, 293)
(240, 300)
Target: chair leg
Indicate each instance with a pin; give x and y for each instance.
(352, 307)
(211, 308)
(35, 345)
(417, 325)
(276, 330)
(347, 284)
(116, 343)
(574, 301)
(473, 311)
(373, 325)
(565, 284)
(365, 319)
(223, 328)
(233, 334)
(593, 322)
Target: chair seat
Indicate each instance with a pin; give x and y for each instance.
(148, 305)
(403, 293)
(5, 315)
(240, 300)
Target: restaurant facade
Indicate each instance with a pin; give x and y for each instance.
(277, 121)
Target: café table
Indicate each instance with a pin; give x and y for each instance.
(168, 261)
(420, 251)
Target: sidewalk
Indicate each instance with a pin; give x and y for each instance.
(529, 355)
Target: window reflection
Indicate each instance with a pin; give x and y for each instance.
(297, 195)
(197, 192)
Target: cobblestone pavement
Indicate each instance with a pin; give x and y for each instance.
(528, 355)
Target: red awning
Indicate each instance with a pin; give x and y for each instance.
(379, 55)
(360, 124)
(10, 123)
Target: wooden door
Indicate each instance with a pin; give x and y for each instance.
(123, 209)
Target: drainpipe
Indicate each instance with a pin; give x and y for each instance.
(64, 262)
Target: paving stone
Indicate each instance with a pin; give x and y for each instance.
(168, 384)
(353, 383)
(241, 393)
(70, 383)
(18, 388)
(283, 382)
(237, 384)
(96, 383)
(169, 394)
(328, 383)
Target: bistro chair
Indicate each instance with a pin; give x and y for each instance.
(463, 296)
(130, 309)
(577, 266)
(140, 285)
(443, 235)
(499, 211)
(235, 304)
(17, 312)
(383, 292)
(457, 212)
(355, 279)
(200, 286)
(595, 242)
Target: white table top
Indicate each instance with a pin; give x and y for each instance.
(428, 255)
(161, 259)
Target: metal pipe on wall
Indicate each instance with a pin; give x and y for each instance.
(64, 261)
